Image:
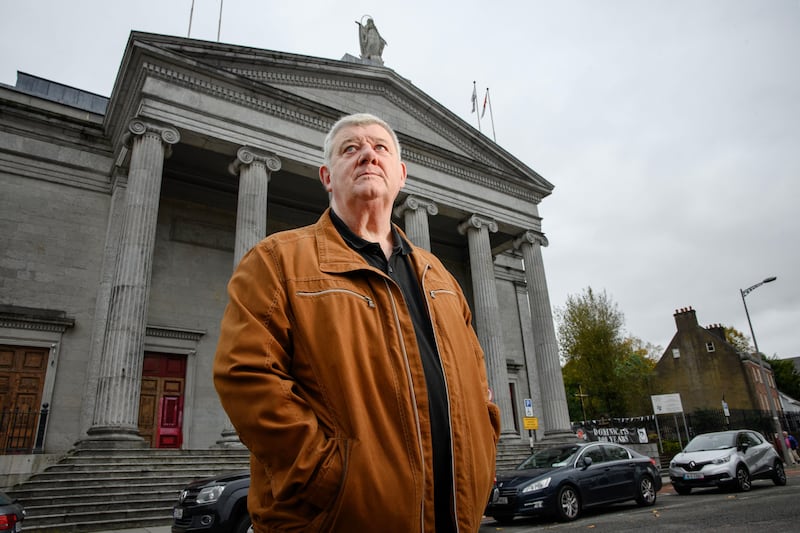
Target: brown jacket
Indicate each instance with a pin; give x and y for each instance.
(318, 369)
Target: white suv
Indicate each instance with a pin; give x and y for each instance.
(727, 458)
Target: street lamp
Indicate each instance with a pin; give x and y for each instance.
(776, 425)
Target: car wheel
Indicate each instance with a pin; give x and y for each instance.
(243, 524)
(779, 473)
(682, 489)
(743, 482)
(504, 519)
(568, 503)
(646, 495)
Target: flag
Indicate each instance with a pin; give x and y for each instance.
(485, 100)
(474, 98)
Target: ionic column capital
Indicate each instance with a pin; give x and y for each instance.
(247, 155)
(139, 127)
(412, 203)
(531, 237)
(477, 222)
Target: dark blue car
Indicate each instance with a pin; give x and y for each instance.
(563, 480)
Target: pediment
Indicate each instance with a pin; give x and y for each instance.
(330, 88)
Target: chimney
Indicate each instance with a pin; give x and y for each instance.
(718, 330)
(685, 319)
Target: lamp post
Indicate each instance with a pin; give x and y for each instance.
(776, 424)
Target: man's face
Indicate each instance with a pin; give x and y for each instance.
(365, 167)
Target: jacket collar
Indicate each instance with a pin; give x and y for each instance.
(333, 252)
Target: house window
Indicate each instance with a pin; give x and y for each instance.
(710, 346)
(676, 353)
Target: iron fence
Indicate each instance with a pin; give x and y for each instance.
(22, 432)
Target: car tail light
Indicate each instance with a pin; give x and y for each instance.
(653, 462)
(8, 522)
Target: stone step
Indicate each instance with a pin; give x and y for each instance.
(110, 480)
(164, 471)
(86, 508)
(107, 490)
(102, 523)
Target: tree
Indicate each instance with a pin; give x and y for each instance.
(605, 373)
(738, 340)
(787, 379)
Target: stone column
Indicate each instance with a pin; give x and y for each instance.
(254, 168)
(487, 313)
(116, 410)
(116, 214)
(551, 383)
(415, 211)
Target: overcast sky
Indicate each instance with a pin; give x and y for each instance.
(670, 128)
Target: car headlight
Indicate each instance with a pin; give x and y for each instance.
(537, 485)
(210, 494)
(721, 460)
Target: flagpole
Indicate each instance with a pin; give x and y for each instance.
(219, 25)
(475, 103)
(491, 115)
(191, 13)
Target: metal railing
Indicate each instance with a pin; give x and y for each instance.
(22, 432)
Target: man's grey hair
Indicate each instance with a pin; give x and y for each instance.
(358, 119)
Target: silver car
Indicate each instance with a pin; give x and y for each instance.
(730, 459)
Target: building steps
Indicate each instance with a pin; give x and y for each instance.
(99, 490)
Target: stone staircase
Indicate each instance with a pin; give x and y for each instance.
(511, 453)
(102, 489)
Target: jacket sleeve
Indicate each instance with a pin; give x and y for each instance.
(252, 375)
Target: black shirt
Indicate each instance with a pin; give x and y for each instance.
(399, 268)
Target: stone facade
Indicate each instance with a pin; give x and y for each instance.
(121, 220)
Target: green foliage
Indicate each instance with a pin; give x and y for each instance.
(671, 448)
(608, 371)
(787, 379)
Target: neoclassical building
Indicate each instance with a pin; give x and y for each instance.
(121, 220)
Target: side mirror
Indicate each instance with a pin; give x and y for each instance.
(587, 461)
(743, 446)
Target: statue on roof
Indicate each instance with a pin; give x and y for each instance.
(370, 40)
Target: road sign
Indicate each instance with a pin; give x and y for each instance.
(528, 407)
(530, 422)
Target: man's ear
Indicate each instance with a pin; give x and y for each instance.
(325, 177)
(405, 175)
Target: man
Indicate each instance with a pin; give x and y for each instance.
(349, 367)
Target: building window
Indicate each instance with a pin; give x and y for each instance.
(710, 346)
(676, 353)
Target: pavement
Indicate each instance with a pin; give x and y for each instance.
(792, 471)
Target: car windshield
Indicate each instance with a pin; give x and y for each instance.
(711, 441)
(549, 457)
(4, 499)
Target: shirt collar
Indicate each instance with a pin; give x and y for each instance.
(401, 246)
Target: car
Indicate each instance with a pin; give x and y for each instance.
(727, 459)
(563, 480)
(11, 513)
(213, 505)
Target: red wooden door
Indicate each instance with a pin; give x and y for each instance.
(161, 399)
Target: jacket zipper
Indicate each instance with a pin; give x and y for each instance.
(433, 294)
(369, 301)
(413, 402)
